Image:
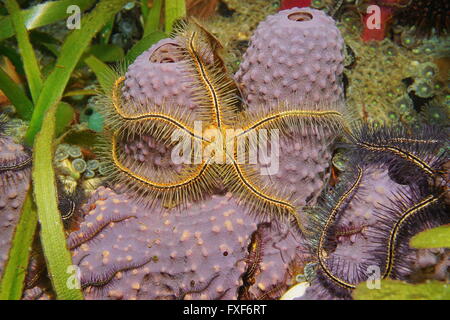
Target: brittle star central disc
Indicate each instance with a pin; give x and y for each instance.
(229, 131)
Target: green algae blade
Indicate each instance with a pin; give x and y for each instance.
(53, 241)
(144, 44)
(106, 31)
(105, 52)
(144, 8)
(434, 238)
(41, 15)
(102, 71)
(64, 116)
(30, 64)
(175, 9)
(12, 284)
(13, 56)
(71, 52)
(16, 95)
(153, 17)
(399, 290)
(82, 92)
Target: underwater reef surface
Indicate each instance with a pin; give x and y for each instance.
(362, 163)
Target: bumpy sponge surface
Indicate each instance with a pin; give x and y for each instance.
(295, 56)
(158, 76)
(13, 188)
(126, 251)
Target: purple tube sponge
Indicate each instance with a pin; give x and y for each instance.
(295, 58)
(295, 55)
(158, 76)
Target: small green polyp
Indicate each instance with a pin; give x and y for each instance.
(89, 174)
(74, 152)
(79, 165)
(93, 165)
(61, 154)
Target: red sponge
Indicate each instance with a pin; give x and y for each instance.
(288, 4)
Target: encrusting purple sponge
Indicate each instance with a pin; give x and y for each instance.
(15, 177)
(126, 251)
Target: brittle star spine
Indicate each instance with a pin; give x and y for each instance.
(323, 236)
(401, 153)
(255, 190)
(16, 166)
(69, 214)
(77, 239)
(408, 140)
(431, 199)
(261, 195)
(255, 255)
(291, 113)
(109, 275)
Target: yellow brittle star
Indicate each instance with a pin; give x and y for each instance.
(216, 99)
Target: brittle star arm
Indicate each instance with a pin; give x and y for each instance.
(271, 201)
(17, 165)
(149, 116)
(329, 223)
(160, 186)
(279, 117)
(206, 80)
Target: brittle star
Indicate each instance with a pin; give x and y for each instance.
(216, 99)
